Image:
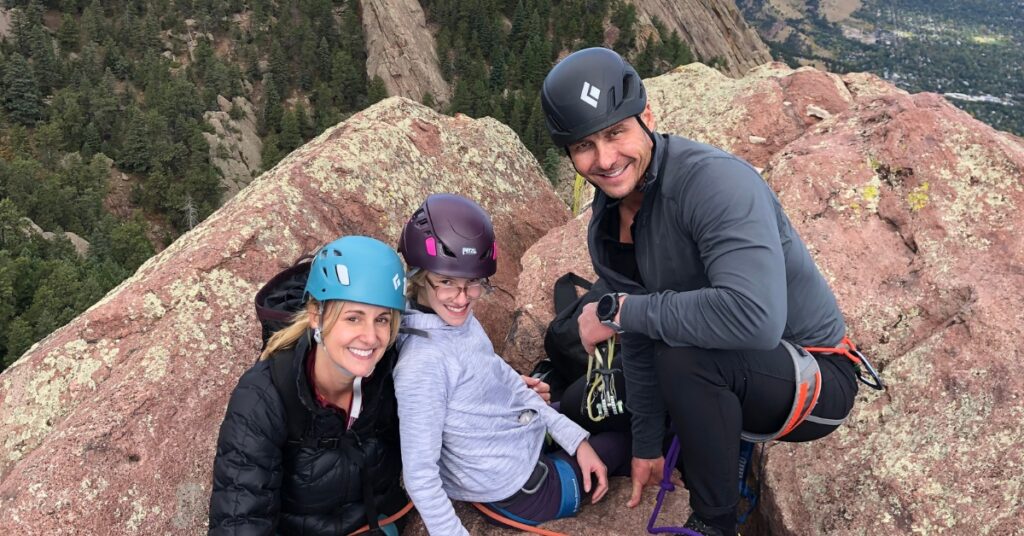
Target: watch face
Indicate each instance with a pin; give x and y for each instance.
(606, 307)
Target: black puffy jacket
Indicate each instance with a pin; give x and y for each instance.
(263, 484)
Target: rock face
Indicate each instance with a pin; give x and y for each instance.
(400, 49)
(235, 145)
(5, 22)
(80, 244)
(712, 29)
(109, 424)
(912, 209)
(562, 250)
(755, 116)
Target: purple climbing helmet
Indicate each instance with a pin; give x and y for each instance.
(452, 236)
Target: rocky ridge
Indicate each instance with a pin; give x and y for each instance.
(400, 50)
(714, 29)
(235, 144)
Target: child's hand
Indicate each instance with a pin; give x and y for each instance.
(538, 386)
(590, 462)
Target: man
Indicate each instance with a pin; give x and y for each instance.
(710, 278)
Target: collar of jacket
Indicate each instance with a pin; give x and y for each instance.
(418, 320)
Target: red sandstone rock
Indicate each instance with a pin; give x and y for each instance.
(562, 250)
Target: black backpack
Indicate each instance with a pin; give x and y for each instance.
(566, 359)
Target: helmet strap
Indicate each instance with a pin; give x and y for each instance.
(654, 142)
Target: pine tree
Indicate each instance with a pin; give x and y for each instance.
(291, 137)
(12, 224)
(47, 68)
(302, 118)
(271, 115)
(91, 141)
(67, 35)
(137, 149)
(376, 91)
(21, 93)
(93, 24)
(271, 153)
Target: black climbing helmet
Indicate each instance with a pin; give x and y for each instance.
(591, 89)
(450, 235)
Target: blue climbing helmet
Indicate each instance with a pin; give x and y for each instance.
(357, 269)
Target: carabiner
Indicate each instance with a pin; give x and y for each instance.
(873, 381)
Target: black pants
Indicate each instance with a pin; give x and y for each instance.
(712, 395)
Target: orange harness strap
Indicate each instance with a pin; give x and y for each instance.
(388, 520)
(839, 350)
(515, 524)
(847, 349)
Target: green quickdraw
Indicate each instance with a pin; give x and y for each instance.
(601, 400)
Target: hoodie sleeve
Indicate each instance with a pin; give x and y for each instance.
(731, 215)
(247, 470)
(566, 433)
(422, 383)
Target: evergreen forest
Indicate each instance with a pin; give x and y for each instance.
(970, 50)
(104, 158)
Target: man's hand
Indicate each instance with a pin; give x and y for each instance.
(592, 331)
(645, 472)
(538, 386)
(590, 462)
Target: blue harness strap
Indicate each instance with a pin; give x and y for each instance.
(570, 488)
(746, 460)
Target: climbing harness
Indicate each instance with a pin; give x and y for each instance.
(808, 382)
(808, 387)
(601, 400)
(568, 506)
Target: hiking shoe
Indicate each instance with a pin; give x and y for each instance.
(698, 526)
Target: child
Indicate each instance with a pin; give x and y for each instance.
(471, 429)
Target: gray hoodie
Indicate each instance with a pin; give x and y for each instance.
(471, 430)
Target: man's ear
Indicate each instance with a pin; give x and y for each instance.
(648, 117)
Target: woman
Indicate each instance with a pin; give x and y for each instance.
(335, 364)
(473, 430)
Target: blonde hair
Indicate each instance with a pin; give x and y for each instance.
(414, 284)
(288, 336)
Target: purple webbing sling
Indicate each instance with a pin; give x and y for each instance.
(667, 486)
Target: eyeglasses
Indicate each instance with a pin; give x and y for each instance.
(446, 290)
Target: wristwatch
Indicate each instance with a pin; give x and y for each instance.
(608, 308)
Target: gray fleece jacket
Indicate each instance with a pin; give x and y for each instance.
(719, 266)
(471, 430)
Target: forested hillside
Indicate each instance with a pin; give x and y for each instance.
(970, 50)
(102, 114)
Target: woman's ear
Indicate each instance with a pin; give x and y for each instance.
(314, 315)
